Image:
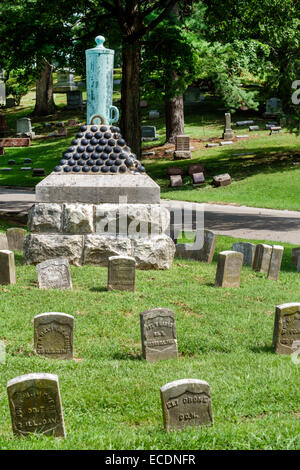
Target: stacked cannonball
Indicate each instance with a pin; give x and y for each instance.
(99, 149)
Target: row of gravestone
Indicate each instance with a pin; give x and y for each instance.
(13, 239)
(35, 402)
(261, 257)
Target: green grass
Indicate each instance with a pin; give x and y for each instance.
(110, 395)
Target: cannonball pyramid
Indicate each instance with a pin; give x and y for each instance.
(99, 148)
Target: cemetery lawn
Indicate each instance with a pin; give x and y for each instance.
(110, 395)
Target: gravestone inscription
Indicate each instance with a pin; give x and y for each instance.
(35, 405)
(186, 402)
(54, 274)
(53, 335)
(158, 334)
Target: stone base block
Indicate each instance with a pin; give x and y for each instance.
(153, 252)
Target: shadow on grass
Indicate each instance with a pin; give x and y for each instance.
(99, 289)
(262, 349)
(127, 356)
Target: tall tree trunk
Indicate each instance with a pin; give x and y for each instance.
(174, 115)
(44, 104)
(130, 98)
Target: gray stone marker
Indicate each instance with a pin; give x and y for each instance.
(158, 334)
(253, 128)
(229, 269)
(275, 262)
(228, 133)
(203, 249)
(7, 267)
(24, 127)
(54, 274)
(262, 258)
(15, 238)
(295, 256)
(175, 181)
(222, 180)
(149, 133)
(35, 405)
(53, 335)
(186, 402)
(273, 106)
(3, 242)
(248, 250)
(198, 179)
(286, 335)
(244, 123)
(121, 273)
(227, 142)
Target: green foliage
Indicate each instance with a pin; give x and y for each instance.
(18, 85)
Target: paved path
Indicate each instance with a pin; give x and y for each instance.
(236, 221)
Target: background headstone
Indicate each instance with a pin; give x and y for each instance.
(121, 273)
(275, 262)
(286, 335)
(229, 269)
(228, 133)
(7, 267)
(24, 127)
(248, 250)
(295, 255)
(186, 402)
(35, 405)
(15, 238)
(53, 335)
(206, 240)
(3, 242)
(158, 334)
(222, 180)
(262, 258)
(153, 114)
(182, 147)
(175, 181)
(273, 106)
(54, 274)
(149, 133)
(198, 179)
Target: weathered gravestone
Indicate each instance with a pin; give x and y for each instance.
(244, 123)
(273, 107)
(182, 147)
(228, 133)
(24, 127)
(286, 335)
(262, 258)
(3, 242)
(198, 179)
(222, 180)
(7, 267)
(186, 402)
(158, 334)
(275, 262)
(248, 250)
(149, 133)
(203, 248)
(54, 274)
(53, 335)
(153, 114)
(253, 128)
(175, 181)
(229, 269)
(35, 405)
(295, 256)
(121, 273)
(15, 238)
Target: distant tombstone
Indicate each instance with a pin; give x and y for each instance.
(54, 274)
(195, 168)
(2, 150)
(15, 238)
(149, 133)
(186, 402)
(275, 262)
(244, 123)
(242, 136)
(271, 124)
(27, 160)
(227, 142)
(38, 172)
(121, 273)
(273, 106)
(248, 250)
(143, 104)
(262, 258)
(53, 335)
(222, 180)
(35, 405)
(61, 131)
(275, 129)
(3, 242)
(153, 114)
(173, 170)
(65, 83)
(24, 127)
(295, 256)
(202, 250)
(7, 267)
(15, 142)
(286, 335)
(229, 269)
(74, 99)
(72, 123)
(182, 147)
(10, 102)
(26, 168)
(198, 179)
(253, 128)
(228, 133)
(117, 82)
(158, 334)
(5, 170)
(11, 162)
(209, 145)
(175, 181)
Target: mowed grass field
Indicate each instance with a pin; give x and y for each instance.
(110, 395)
